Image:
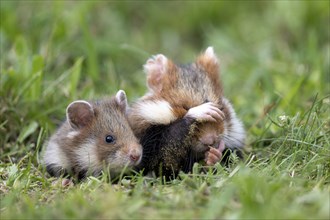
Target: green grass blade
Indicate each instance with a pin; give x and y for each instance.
(75, 73)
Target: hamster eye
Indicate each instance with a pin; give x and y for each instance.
(109, 139)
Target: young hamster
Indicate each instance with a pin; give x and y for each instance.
(95, 135)
(176, 122)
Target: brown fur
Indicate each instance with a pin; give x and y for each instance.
(212, 69)
(184, 87)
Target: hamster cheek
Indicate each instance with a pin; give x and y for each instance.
(107, 151)
(200, 147)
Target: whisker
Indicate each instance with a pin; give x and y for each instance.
(234, 141)
(235, 132)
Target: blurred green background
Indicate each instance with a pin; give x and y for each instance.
(274, 66)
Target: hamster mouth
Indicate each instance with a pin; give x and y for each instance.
(204, 147)
(201, 147)
(137, 162)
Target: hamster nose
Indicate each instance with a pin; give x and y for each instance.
(135, 156)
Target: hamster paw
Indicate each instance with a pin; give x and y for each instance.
(207, 112)
(214, 155)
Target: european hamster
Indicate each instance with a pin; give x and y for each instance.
(95, 135)
(166, 118)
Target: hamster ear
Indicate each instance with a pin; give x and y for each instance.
(121, 100)
(156, 68)
(79, 114)
(209, 61)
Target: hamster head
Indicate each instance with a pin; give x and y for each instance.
(100, 135)
(185, 86)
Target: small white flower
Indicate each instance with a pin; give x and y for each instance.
(284, 119)
(326, 101)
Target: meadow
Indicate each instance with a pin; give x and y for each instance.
(275, 63)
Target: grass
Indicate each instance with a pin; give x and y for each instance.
(275, 70)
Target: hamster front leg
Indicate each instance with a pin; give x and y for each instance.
(214, 155)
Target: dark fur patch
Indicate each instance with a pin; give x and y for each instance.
(55, 170)
(166, 150)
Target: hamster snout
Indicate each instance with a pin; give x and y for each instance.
(210, 134)
(209, 139)
(135, 154)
